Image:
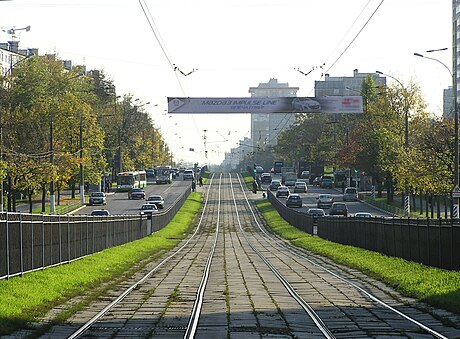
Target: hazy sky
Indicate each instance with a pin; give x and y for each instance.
(234, 45)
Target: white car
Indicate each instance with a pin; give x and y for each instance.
(305, 105)
(300, 187)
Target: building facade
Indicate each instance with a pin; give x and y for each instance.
(265, 127)
(345, 85)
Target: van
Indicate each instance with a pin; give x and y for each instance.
(350, 194)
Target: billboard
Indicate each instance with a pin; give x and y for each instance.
(326, 104)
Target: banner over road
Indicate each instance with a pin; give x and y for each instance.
(326, 104)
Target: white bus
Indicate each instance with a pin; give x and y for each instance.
(133, 179)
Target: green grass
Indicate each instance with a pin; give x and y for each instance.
(434, 286)
(22, 299)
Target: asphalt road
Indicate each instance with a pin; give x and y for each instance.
(309, 201)
(118, 202)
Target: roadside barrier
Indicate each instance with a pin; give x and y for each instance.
(432, 242)
(30, 242)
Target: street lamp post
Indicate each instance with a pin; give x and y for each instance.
(406, 140)
(455, 211)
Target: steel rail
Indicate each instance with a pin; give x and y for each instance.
(307, 308)
(81, 330)
(301, 254)
(197, 305)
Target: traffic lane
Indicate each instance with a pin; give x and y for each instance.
(309, 200)
(118, 202)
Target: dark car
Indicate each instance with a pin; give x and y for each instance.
(294, 200)
(326, 183)
(148, 210)
(274, 185)
(157, 200)
(339, 208)
(97, 198)
(100, 213)
(136, 193)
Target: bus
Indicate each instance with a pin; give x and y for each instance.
(163, 174)
(277, 165)
(129, 180)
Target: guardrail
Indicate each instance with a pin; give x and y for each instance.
(30, 242)
(432, 242)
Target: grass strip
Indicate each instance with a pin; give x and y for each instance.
(24, 299)
(434, 286)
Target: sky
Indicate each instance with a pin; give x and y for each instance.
(228, 46)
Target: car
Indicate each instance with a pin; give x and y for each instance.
(316, 181)
(266, 178)
(100, 213)
(97, 198)
(274, 185)
(316, 212)
(148, 210)
(350, 194)
(150, 172)
(324, 200)
(157, 200)
(136, 193)
(282, 191)
(188, 175)
(326, 183)
(363, 215)
(259, 170)
(305, 105)
(339, 208)
(294, 200)
(300, 186)
(305, 175)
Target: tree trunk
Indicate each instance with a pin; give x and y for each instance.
(29, 196)
(9, 193)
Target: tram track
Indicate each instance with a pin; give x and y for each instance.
(142, 289)
(269, 241)
(232, 277)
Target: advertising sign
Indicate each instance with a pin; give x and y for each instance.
(326, 104)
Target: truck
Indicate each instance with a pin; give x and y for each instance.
(277, 166)
(303, 166)
(284, 171)
(290, 178)
(316, 171)
(163, 174)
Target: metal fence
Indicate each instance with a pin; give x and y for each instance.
(432, 242)
(30, 242)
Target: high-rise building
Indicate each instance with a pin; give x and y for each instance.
(345, 85)
(455, 51)
(265, 127)
(448, 102)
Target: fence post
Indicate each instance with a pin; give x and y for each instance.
(22, 243)
(7, 248)
(43, 241)
(60, 240)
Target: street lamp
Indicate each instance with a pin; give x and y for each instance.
(456, 147)
(406, 139)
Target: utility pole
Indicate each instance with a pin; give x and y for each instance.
(52, 197)
(82, 181)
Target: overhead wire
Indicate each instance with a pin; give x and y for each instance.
(156, 32)
(355, 37)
